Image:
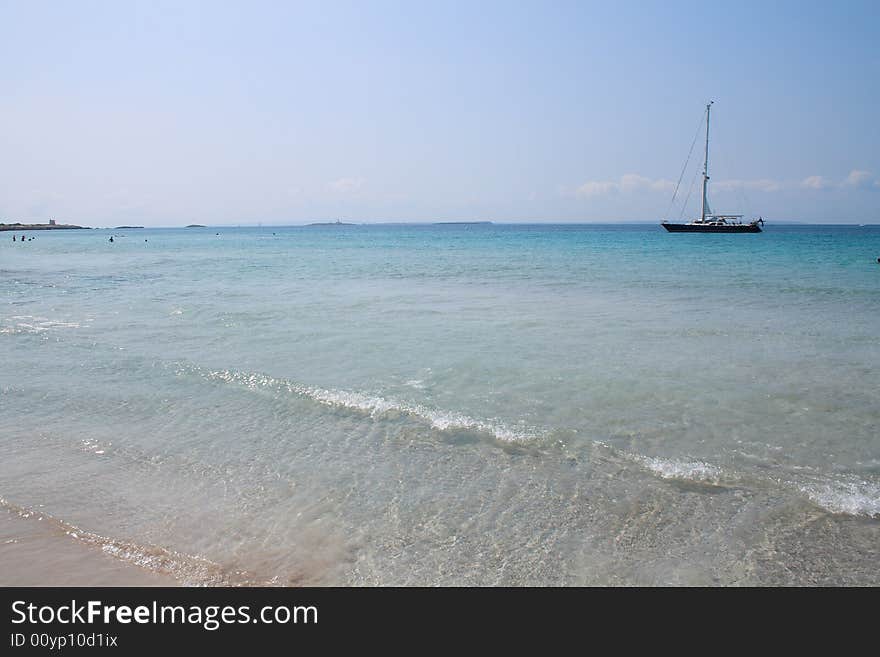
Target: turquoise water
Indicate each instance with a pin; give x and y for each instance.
(483, 404)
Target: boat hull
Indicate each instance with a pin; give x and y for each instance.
(697, 228)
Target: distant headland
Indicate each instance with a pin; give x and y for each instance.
(196, 226)
(331, 223)
(462, 223)
(127, 227)
(50, 226)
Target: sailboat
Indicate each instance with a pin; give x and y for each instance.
(710, 222)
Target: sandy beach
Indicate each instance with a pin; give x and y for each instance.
(37, 553)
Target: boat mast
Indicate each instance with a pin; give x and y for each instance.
(704, 205)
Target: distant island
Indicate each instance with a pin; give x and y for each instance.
(331, 223)
(50, 226)
(462, 223)
(196, 226)
(127, 227)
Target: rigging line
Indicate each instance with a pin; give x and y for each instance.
(684, 168)
(688, 197)
(745, 199)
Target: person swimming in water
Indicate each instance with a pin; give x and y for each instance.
(111, 238)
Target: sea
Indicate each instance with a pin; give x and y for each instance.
(448, 404)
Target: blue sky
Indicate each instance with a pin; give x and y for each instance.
(167, 113)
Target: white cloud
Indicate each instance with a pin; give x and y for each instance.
(595, 188)
(858, 178)
(633, 182)
(630, 182)
(346, 185)
(815, 182)
(761, 185)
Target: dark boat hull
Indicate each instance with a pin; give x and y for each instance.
(696, 228)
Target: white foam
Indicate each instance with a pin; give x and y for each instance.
(853, 497)
(35, 325)
(376, 405)
(191, 570)
(697, 471)
(93, 446)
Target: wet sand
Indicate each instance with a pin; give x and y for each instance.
(35, 553)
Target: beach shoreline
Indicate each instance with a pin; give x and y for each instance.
(36, 553)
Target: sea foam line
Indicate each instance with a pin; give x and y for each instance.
(372, 405)
(685, 470)
(856, 497)
(851, 497)
(190, 570)
(682, 469)
(35, 324)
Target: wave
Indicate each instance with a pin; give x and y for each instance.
(694, 471)
(35, 325)
(188, 569)
(856, 497)
(852, 497)
(372, 405)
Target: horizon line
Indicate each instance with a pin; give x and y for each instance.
(353, 222)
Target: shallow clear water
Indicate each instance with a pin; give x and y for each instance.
(450, 404)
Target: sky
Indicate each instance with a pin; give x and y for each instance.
(168, 113)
